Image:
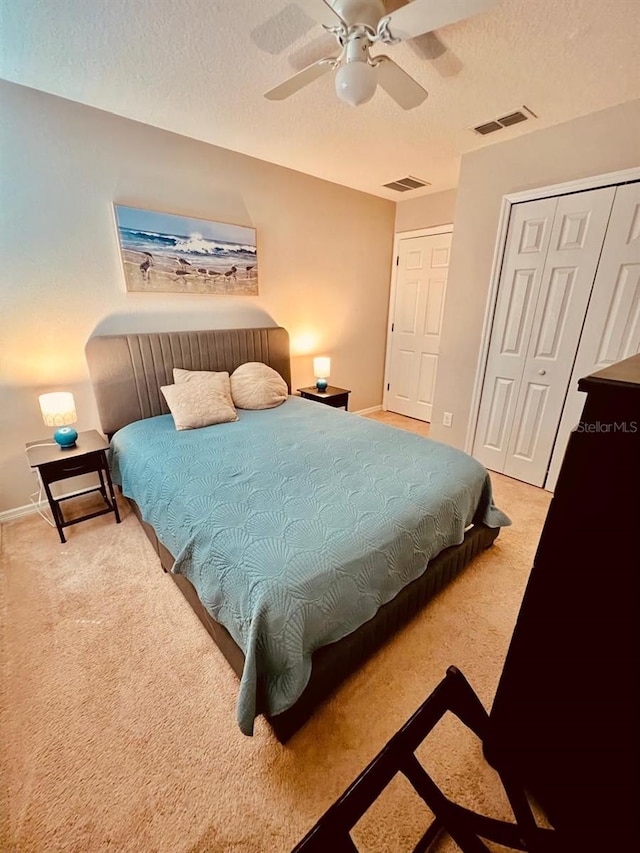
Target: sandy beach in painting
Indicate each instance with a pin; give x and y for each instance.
(166, 253)
(167, 274)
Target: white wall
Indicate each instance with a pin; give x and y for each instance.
(425, 211)
(324, 257)
(602, 142)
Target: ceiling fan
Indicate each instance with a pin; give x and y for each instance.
(358, 25)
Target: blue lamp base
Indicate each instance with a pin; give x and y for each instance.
(65, 436)
(321, 384)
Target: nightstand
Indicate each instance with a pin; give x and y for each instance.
(87, 456)
(336, 397)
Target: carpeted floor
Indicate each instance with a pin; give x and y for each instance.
(118, 712)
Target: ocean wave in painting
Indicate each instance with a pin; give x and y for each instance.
(195, 244)
(198, 245)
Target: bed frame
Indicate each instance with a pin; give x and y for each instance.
(127, 372)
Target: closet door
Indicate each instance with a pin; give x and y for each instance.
(550, 262)
(522, 268)
(576, 241)
(611, 330)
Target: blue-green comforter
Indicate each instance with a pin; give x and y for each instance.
(296, 524)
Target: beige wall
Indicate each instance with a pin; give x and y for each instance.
(425, 211)
(602, 142)
(324, 254)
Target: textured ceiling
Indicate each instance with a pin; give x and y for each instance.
(195, 67)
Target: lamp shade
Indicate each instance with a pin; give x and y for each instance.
(321, 370)
(322, 367)
(58, 408)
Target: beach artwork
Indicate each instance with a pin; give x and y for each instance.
(162, 252)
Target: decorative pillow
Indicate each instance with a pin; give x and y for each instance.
(221, 379)
(198, 404)
(255, 385)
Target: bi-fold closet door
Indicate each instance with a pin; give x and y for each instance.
(551, 256)
(611, 330)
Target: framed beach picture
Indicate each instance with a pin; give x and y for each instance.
(162, 252)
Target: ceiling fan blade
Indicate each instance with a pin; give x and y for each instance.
(301, 79)
(397, 83)
(423, 16)
(323, 12)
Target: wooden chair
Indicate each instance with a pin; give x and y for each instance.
(453, 694)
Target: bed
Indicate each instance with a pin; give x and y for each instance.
(302, 536)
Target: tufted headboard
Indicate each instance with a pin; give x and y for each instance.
(128, 370)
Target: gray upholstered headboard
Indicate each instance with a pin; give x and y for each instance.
(128, 370)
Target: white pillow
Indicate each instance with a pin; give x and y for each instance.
(220, 380)
(255, 385)
(198, 404)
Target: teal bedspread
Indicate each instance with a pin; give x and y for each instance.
(296, 524)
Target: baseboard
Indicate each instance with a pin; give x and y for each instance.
(20, 511)
(368, 411)
(28, 509)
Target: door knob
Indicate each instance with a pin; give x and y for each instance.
(542, 372)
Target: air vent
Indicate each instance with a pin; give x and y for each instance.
(507, 120)
(489, 127)
(512, 118)
(408, 183)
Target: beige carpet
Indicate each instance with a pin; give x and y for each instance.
(118, 712)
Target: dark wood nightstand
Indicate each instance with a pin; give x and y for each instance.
(336, 397)
(87, 456)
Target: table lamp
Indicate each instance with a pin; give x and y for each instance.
(322, 371)
(59, 410)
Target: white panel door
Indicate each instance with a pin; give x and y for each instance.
(576, 242)
(612, 326)
(522, 269)
(423, 264)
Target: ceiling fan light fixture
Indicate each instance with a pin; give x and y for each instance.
(356, 83)
(357, 26)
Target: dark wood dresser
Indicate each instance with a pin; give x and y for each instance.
(566, 714)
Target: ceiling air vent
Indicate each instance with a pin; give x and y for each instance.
(489, 127)
(512, 118)
(408, 183)
(507, 120)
